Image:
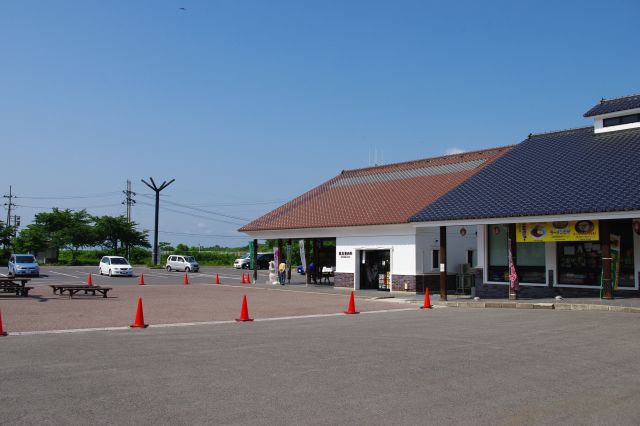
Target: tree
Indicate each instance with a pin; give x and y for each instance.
(111, 230)
(56, 225)
(182, 248)
(32, 239)
(80, 232)
(164, 246)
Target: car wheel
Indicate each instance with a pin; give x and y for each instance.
(110, 273)
(99, 271)
(168, 268)
(187, 269)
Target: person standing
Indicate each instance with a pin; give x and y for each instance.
(282, 269)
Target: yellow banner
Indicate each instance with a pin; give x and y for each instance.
(580, 230)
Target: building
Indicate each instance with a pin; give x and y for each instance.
(566, 204)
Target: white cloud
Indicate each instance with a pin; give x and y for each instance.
(453, 150)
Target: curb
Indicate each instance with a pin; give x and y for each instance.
(526, 305)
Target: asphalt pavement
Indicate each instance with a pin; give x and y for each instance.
(440, 366)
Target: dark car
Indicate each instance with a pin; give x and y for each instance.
(301, 269)
(263, 260)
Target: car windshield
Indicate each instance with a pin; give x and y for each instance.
(189, 259)
(119, 261)
(25, 259)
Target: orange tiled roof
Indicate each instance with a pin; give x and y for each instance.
(380, 195)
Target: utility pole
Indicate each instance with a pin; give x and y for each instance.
(9, 205)
(157, 190)
(129, 201)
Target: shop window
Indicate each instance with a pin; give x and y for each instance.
(580, 263)
(530, 258)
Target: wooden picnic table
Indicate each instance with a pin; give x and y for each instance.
(18, 286)
(72, 289)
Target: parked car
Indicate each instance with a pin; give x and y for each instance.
(301, 269)
(182, 263)
(242, 262)
(115, 265)
(264, 259)
(23, 264)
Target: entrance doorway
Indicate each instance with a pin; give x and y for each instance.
(375, 267)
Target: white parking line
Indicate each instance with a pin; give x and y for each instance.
(188, 324)
(60, 273)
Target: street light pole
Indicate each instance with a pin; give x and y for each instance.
(157, 190)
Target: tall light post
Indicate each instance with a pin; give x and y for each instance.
(157, 190)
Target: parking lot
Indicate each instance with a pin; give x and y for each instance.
(166, 300)
(443, 366)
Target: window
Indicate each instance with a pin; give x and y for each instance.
(435, 259)
(625, 119)
(530, 258)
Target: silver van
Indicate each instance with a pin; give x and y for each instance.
(182, 263)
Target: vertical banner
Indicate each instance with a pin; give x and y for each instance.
(276, 256)
(251, 259)
(303, 259)
(615, 259)
(513, 275)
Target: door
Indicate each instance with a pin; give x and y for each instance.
(375, 266)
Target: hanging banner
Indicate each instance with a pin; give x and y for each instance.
(251, 259)
(303, 260)
(276, 257)
(579, 230)
(288, 261)
(615, 259)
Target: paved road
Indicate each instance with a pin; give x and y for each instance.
(444, 366)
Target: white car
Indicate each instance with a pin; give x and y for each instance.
(115, 265)
(182, 263)
(242, 262)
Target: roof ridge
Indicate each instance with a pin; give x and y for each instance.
(604, 100)
(551, 132)
(498, 148)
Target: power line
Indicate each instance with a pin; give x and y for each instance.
(206, 211)
(192, 214)
(72, 197)
(203, 235)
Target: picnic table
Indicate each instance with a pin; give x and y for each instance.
(17, 286)
(72, 289)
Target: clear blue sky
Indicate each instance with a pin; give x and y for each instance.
(248, 104)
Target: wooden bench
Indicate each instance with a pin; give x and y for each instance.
(18, 286)
(73, 289)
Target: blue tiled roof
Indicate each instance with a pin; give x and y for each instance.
(614, 105)
(568, 172)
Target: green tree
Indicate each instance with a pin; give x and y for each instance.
(112, 230)
(182, 248)
(165, 246)
(31, 239)
(56, 224)
(80, 232)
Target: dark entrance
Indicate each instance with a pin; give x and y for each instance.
(374, 270)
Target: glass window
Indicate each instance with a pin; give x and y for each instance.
(530, 258)
(435, 259)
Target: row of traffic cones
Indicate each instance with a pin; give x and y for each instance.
(244, 310)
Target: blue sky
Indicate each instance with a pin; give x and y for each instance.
(248, 104)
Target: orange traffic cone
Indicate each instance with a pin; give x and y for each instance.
(352, 306)
(248, 278)
(244, 312)
(427, 300)
(141, 279)
(89, 280)
(186, 279)
(139, 322)
(242, 279)
(2, 333)
(217, 279)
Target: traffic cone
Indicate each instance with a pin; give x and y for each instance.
(242, 279)
(217, 279)
(244, 312)
(2, 333)
(248, 278)
(352, 306)
(186, 279)
(141, 279)
(89, 280)
(427, 300)
(139, 322)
